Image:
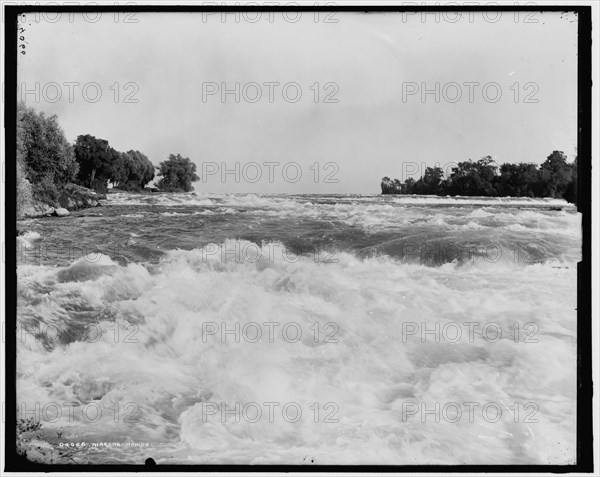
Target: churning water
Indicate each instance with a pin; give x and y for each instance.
(307, 329)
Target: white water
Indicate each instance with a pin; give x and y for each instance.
(165, 363)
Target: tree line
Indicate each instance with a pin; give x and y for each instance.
(100, 164)
(554, 178)
(47, 162)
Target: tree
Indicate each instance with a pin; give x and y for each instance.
(431, 181)
(99, 164)
(177, 173)
(118, 170)
(389, 186)
(92, 154)
(570, 194)
(409, 186)
(473, 178)
(394, 186)
(134, 172)
(115, 169)
(144, 168)
(555, 174)
(43, 148)
(24, 191)
(518, 180)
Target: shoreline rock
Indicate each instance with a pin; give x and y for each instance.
(60, 212)
(35, 449)
(38, 209)
(71, 198)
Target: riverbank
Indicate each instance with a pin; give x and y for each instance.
(39, 445)
(70, 198)
(73, 198)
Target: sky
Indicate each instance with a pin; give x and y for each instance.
(324, 104)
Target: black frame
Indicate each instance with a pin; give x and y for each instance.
(15, 463)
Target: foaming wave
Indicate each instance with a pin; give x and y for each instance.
(166, 199)
(171, 362)
(27, 239)
(485, 201)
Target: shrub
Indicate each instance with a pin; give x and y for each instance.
(177, 173)
(24, 191)
(43, 147)
(46, 191)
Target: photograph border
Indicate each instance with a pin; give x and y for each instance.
(584, 424)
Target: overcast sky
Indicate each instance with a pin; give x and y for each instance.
(375, 65)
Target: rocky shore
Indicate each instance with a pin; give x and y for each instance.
(38, 445)
(71, 197)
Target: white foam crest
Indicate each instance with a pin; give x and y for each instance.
(487, 201)
(26, 239)
(173, 214)
(166, 199)
(480, 213)
(176, 363)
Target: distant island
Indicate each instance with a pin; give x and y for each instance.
(54, 176)
(555, 178)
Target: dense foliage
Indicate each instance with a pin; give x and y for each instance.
(133, 171)
(24, 193)
(42, 144)
(177, 173)
(44, 157)
(100, 164)
(47, 164)
(555, 178)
